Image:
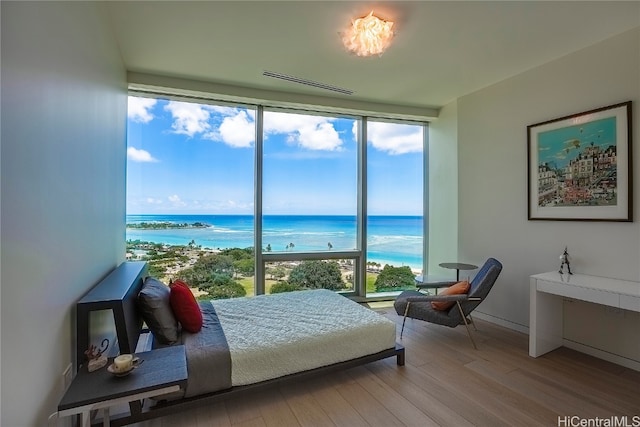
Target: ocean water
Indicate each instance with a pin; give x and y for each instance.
(396, 240)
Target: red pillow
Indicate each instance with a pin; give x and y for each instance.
(185, 307)
(456, 289)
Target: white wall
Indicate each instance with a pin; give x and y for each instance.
(63, 189)
(492, 126)
(443, 191)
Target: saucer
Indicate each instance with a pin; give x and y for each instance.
(112, 368)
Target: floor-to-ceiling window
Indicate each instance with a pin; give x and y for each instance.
(309, 184)
(309, 200)
(190, 193)
(395, 183)
(243, 200)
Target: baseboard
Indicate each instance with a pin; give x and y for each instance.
(501, 322)
(600, 354)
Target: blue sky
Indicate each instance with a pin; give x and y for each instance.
(187, 158)
(560, 146)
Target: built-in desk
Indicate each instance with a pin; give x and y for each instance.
(547, 291)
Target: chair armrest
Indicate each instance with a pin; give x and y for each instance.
(443, 298)
(434, 285)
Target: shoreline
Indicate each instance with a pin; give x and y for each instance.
(194, 252)
(396, 240)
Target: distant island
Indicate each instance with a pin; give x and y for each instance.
(166, 225)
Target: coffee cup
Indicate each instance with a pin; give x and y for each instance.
(123, 363)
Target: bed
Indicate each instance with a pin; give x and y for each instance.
(255, 342)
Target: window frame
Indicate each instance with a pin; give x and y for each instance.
(359, 254)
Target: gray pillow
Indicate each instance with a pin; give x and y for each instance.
(155, 308)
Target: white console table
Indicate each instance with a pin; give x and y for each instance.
(547, 291)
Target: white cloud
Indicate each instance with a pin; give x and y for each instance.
(394, 138)
(138, 109)
(238, 130)
(176, 201)
(321, 137)
(310, 132)
(142, 156)
(153, 201)
(188, 118)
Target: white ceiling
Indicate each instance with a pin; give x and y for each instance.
(441, 50)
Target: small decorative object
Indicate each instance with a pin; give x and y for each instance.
(96, 356)
(565, 259)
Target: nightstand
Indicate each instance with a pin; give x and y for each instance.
(160, 372)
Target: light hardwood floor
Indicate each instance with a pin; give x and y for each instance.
(445, 382)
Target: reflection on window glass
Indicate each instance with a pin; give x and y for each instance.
(394, 206)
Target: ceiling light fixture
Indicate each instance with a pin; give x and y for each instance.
(368, 35)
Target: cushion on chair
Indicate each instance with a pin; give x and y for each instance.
(456, 289)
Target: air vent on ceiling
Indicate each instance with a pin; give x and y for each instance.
(307, 82)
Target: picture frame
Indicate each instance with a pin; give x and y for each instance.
(580, 166)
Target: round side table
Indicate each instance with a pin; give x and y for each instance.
(457, 266)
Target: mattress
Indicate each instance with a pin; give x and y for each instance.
(270, 336)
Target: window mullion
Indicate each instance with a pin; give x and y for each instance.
(361, 266)
(259, 277)
(425, 200)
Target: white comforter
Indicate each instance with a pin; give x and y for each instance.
(274, 335)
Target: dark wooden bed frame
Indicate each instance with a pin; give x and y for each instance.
(118, 292)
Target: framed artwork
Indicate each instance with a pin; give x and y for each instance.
(579, 166)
